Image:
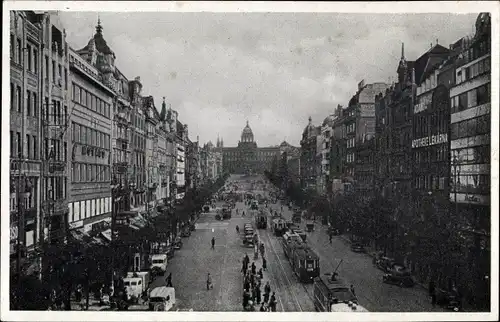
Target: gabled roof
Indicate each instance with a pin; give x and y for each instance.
(426, 63)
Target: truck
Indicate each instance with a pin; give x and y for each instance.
(136, 283)
(159, 262)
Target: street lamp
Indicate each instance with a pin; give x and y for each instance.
(457, 179)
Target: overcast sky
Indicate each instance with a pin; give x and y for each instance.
(218, 69)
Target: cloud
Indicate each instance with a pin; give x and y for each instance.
(218, 69)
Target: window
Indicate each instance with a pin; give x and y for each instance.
(19, 99)
(47, 68)
(35, 104)
(89, 100)
(35, 148)
(89, 172)
(28, 103)
(28, 146)
(35, 61)
(83, 173)
(65, 152)
(83, 97)
(30, 64)
(65, 78)
(19, 145)
(54, 66)
(12, 146)
(12, 47)
(19, 52)
(483, 95)
(94, 105)
(12, 97)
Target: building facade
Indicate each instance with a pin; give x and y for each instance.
(470, 102)
(247, 158)
(91, 153)
(27, 170)
(309, 157)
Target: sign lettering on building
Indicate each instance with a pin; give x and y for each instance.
(429, 140)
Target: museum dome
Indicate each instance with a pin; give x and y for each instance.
(247, 134)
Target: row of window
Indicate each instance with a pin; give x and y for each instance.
(351, 143)
(90, 101)
(16, 50)
(138, 122)
(55, 113)
(16, 98)
(84, 209)
(55, 149)
(138, 141)
(89, 136)
(57, 73)
(55, 188)
(473, 183)
(431, 154)
(350, 157)
(434, 123)
(474, 70)
(120, 155)
(86, 172)
(471, 127)
(429, 182)
(28, 200)
(477, 96)
(474, 155)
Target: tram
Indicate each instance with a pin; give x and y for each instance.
(261, 219)
(279, 226)
(304, 261)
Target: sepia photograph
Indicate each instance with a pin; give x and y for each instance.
(334, 161)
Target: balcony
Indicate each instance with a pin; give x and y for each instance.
(32, 30)
(27, 166)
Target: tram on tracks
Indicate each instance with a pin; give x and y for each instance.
(279, 226)
(261, 219)
(304, 261)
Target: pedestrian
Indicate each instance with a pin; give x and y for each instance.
(267, 288)
(169, 280)
(254, 294)
(330, 238)
(209, 282)
(244, 269)
(263, 307)
(272, 302)
(246, 298)
(433, 298)
(261, 274)
(237, 229)
(253, 268)
(78, 293)
(259, 295)
(247, 259)
(213, 242)
(432, 287)
(264, 263)
(352, 290)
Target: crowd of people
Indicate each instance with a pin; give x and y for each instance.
(252, 288)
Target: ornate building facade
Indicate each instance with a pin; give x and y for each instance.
(247, 158)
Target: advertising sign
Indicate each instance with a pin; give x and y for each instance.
(429, 140)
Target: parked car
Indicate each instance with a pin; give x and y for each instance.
(185, 233)
(447, 299)
(334, 231)
(384, 263)
(398, 275)
(178, 243)
(357, 247)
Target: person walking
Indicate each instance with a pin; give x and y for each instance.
(432, 287)
(209, 282)
(254, 268)
(213, 242)
(352, 290)
(261, 274)
(259, 294)
(244, 269)
(263, 307)
(272, 302)
(169, 280)
(237, 229)
(254, 294)
(330, 238)
(264, 263)
(247, 259)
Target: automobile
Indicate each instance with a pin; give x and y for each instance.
(398, 275)
(357, 247)
(177, 243)
(334, 231)
(384, 263)
(185, 233)
(448, 299)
